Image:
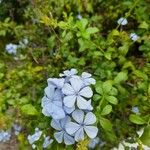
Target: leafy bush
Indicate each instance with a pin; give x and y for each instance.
(52, 36)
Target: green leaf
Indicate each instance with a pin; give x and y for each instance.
(107, 86)
(29, 109)
(92, 30)
(136, 119)
(106, 110)
(63, 25)
(98, 88)
(108, 55)
(84, 44)
(82, 24)
(145, 138)
(112, 100)
(51, 42)
(140, 74)
(113, 91)
(121, 77)
(115, 33)
(96, 97)
(144, 25)
(105, 123)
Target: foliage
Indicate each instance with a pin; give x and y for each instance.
(94, 43)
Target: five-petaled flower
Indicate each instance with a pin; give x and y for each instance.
(62, 135)
(75, 91)
(122, 21)
(83, 123)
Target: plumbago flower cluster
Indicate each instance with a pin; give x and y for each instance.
(68, 101)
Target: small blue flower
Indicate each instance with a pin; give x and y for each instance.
(135, 109)
(34, 137)
(79, 16)
(58, 83)
(52, 103)
(5, 136)
(87, 78)
(11, 48)
(84, 123)
(17, 128)
(68, 73)
(93, 142)
(122, 21)
(47, 141)
(62, 135)
(134, 36)
(68, 110)
(76, 92)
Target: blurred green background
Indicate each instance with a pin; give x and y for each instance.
(81, 34)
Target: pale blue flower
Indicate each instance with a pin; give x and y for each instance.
(135, 109)
(79, 16)
(52, 103)
(82, 124)
(87, 78)
(134, 36)
(59, 83)
(11, 48)
(17, 128)
(34, 137)
(5, 136)
(93, 142)
(89, 106)
(62, 135)
(47, 141)
(68, 73)
(76, 92)
(68, 110)
(122, 21)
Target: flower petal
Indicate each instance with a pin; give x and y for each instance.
(59, 83)
(45, 101)
(86, 92)
(57, 112)
(72, 127)
(89, 106)
(45, 112)
(57, 95)
(68, 140)
(56, 124)
(64, 121)
(82, 103)
(91, 131)
(67, 73)
(78, 116)
(89, 81)
(59, 136)
(79, 135)
(69, 110)
(90, 118)
(86, 75)
(76, 84)
(67, 89)
(69, 100)
(53, 110)
(49, 91)
(73, 71)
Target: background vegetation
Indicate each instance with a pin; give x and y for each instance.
(81, 34)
